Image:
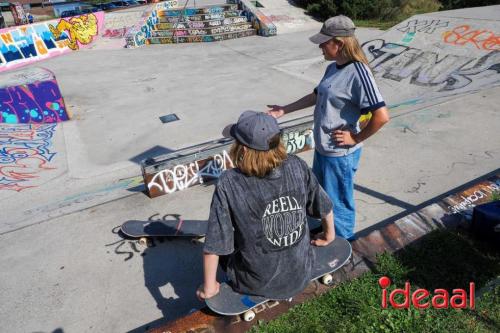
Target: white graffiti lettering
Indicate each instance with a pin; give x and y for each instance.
(296, 141)
(183, 176)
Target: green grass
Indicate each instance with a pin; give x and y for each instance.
(442, 260)
(382, 25)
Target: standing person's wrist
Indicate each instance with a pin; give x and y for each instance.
(356, 138)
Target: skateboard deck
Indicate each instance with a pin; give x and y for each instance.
(328, 259)
(178, 228)
(165, 228)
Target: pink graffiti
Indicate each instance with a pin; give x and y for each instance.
(116, 33)
(181, 33)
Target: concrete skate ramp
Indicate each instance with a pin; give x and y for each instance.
(430, 58)
(31, 96)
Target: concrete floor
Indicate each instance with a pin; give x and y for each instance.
(65, 269)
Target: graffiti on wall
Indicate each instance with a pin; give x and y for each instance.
(469, 199)
(26, 44)
(38, 102)
(137, 35)
(297, 141)
(183, 176)
(164, 178)
(118, 24)
(422, 25)
(24, 154)
(201, 38)
(263, 24)
(78, 30)
(116, 33)
(425, 68)
(482, 39)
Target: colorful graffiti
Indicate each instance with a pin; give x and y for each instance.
(35, 99)
(138, 35)
(208, 163)
(201, 38)
(82, 30)
(425, 68)
(24, 153)
(482, 39)
(263, 24)
(202, 31)
(26, 44)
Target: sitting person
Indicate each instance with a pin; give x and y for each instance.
(258, 224)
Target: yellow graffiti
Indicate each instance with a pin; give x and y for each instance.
(81, 29)
(7, 38)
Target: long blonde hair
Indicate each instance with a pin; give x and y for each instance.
(351, 51)
(256, 162)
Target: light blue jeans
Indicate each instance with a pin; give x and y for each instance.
(336, 176)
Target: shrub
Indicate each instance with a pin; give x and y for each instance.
(383, 10)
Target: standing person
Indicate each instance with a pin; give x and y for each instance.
(347, 91)
(258, 216)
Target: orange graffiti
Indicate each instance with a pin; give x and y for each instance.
(481, 39)
(27, 167)
(7, 38)
(40, 47)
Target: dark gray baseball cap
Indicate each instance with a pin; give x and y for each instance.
(254, 130)
(337, 26)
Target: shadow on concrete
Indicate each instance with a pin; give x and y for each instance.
(173, 270)
(387, 198)
(409, 209)
(152, 152)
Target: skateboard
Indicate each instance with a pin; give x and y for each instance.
(328, 259)
(194, 229)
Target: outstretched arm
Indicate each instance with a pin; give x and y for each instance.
(210, 287)
(305, 102)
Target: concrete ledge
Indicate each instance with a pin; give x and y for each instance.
(263, 24)
(389, 237)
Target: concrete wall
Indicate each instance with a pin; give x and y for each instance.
(27, 44)
(118, 24)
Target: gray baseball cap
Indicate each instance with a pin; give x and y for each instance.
(254, 129)
(337, 26)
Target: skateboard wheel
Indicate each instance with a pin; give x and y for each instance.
(249, 315)
(327, 279)
(144, 241)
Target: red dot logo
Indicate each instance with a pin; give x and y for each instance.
(384, 282)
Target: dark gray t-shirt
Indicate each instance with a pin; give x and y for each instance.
(261, 223)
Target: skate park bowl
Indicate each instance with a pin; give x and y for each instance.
(66, 186)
